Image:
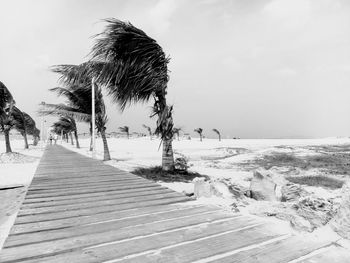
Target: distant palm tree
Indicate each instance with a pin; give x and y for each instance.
(125, 129)
(31, 128)
(77, 82)
(176, 131)
(6, 119)
(35, 132)
(148, 129)
(218, 133)
(200, 132)
(135, 70)
(22, 123)
(67, 125)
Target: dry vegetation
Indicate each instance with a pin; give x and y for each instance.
(332, 161)
(157, 174)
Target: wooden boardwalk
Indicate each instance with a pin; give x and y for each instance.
(79, 210)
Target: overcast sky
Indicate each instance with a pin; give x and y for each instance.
(250, 68)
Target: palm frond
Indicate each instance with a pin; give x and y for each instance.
(64, 110)
(134, 66)
(216, 131)
(148, 128)
(199, 130)
(65, 124)
(124, 129)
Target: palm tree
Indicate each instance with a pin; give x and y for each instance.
(22, 122)
(78, 92)
(35, 132)
(134, 69)
(67, 125)
(176, 130)
(31, 128)
(6, 119)
(200, 132)
(125, 129)
(148, 129)
(218, 133)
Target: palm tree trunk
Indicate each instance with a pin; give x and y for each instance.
(168, 156)
(76, 138)
(219, 138)
(35, 140)
(127, 135)
(7, 141)
(24, 134)
(71, 138)
(66, 135)
(200, 136)
(106, 155)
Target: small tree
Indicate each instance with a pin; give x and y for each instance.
(125, 129)
(200, 132)
(135, 70)
(218, 133)
(148, 129)
(21, 123)
(67, 125)
(176, 130)
(6, 119)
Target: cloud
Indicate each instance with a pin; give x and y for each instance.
(160, 15)
(231, 63)
(291, 13)
(285, 72)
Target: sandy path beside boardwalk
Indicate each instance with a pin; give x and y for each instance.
(14, 181)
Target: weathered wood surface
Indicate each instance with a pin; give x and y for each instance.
(79, 210)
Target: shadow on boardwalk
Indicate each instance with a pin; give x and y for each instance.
(79, 210)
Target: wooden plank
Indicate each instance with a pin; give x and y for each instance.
(97, 203)
(83, 183)
(85, 195)
(82, 187)
(281, 251)
(82, 191)
(83, 220)
(190, 243)
(89, 198)
(188, 216)
(97, 210)
(148, 231)
(205, 247)
(332, 254)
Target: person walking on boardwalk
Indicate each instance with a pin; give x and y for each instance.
(50, 138)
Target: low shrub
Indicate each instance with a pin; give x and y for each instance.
(156, 173)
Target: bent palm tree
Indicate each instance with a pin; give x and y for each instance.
(66, 125)
(218, 133)
(125, 129)
(77, 82)
(176, 131)
(135, 70)
(35, 132)
(6, 119)
(21, 123)
(200, 132)
(148, 129)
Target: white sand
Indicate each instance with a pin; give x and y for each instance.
(210, 157)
